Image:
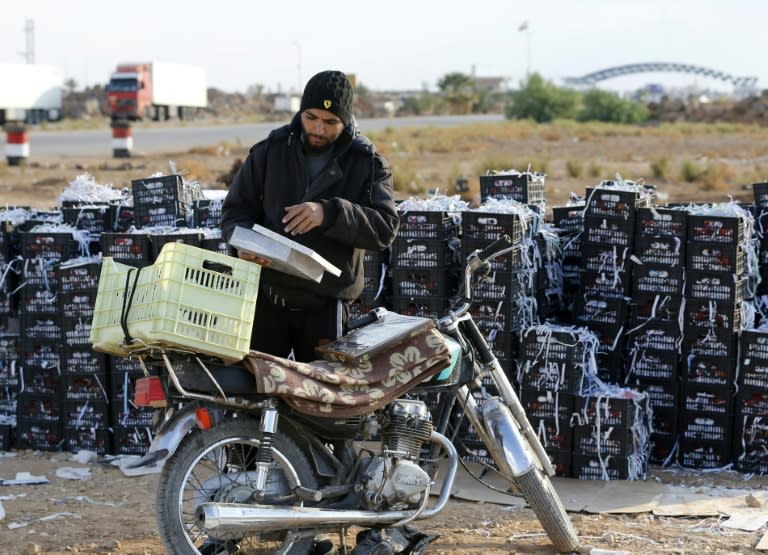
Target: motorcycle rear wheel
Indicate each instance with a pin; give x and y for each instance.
(538, 491)
(213, 465)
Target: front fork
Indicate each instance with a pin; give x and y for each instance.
(489, 419)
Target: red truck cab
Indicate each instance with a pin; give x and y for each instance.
(129, 92)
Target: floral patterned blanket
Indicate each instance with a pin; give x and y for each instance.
(325, 388)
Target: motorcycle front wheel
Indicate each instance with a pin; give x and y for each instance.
(217, 465)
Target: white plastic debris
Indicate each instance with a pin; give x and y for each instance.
(72, 473)
(84, 456)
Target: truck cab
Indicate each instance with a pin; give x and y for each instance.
(129, 92)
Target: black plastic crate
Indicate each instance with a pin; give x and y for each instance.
(712, 257)
(498, 315)
(421, 282)
(752, 401)
(561, 461)
(124, 413)
(571, 246)
(760, 190)
(606, 285)
(554, 434)
(87, 439)
(489, 226)
(92, 218)
(77, 331)
(134, 440)
(658, 280)
(569, 220)
(159, 201)
(501, 286)
(80, 277)
(712, 314)
(159, 240)
(79, 387)
(708, 370)
(40, 354)
(207, 212)
(615, 440)
(606, 467)
(546, 405)
(37, 380)
(713, 229)
(363, 305)
(7, 438)
(662, 394)
(48, 245)
(552, 376)
(655, 307)
(548, 344)
(664, 423)
(754, 344)
(753, 372)
(132, 249)
(423, 307)
(706, 426)
(705, 454)
(715, 286)
(753, 462)
(751, 433)
(717, 342)
(39, 407)
(604, 258)
(596, 309)
(8, 297)
(707, 398)
(92, 413)
(38, 302)
(421, 253)
(661, 222)
(42, 436)
(77, 304)
(120, 218)
(513, 261)
(619, 203)
(41, 274)
(504, 344)
(608, 231)
(123, 364)
(660, 336)
(83, 360)
(525, 187)
(660, 250)
(424, 224)
(215, 244)
(609, 411)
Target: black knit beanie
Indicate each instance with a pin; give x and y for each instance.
(329, 90)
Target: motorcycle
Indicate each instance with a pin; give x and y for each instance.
(259, 469)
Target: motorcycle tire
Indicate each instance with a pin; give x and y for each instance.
(537, 489)
(214, 465)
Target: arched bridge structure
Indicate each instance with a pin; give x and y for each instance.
(650, 67)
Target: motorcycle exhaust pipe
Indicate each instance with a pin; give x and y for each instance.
(226, 517)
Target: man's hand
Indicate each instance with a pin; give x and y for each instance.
(303, 217)
(249, 257)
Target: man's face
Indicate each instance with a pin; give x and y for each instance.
(321, 128)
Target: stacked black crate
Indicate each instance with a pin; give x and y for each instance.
(611, 434)
(503, 296)
(751, 427)
(712, 317)
(424, 263)
(40, 409)
(606, 279)
(84, 371)
(523, 187)
(10, 382)
(761, 231)
(655, 333)
(207, 221)
(131, 425)
(568, 220)
(550, 284)
(555, 364)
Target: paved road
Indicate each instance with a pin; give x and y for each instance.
(171, 138)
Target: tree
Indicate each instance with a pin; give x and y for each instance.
(607, 106)
(542, 101)
(70, 85)
(458, 91)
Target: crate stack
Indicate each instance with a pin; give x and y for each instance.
(751, 422)
(207, 221)
(606, 278)
(655, 334)
(556, 364)
(712, 319)
(10, 341)
(131, 425)
(424, 260)
(760, 191)
(568, 220)
(611, 434)
(524, 187)
(85, 372)
(504, 297)
(549, 290)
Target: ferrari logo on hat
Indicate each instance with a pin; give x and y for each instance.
(327, 104)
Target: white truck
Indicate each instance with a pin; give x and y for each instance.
(156, 90)
(30, 93)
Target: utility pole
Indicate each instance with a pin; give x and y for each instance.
(29, 32)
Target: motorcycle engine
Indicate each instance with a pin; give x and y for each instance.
(395, 480)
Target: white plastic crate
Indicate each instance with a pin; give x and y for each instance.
(190, 298)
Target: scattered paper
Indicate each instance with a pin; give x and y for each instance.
(123, 462)
(23, 479)
(2, 511)
(73, 473)
(751, 521)
(762, 545)
(84, 457)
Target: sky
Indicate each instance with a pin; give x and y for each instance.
(392, 45)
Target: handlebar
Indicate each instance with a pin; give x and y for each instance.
(496, 248)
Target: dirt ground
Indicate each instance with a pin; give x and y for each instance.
(112, 513)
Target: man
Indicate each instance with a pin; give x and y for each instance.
(322, 184)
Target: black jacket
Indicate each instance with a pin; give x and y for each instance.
(355, 189)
